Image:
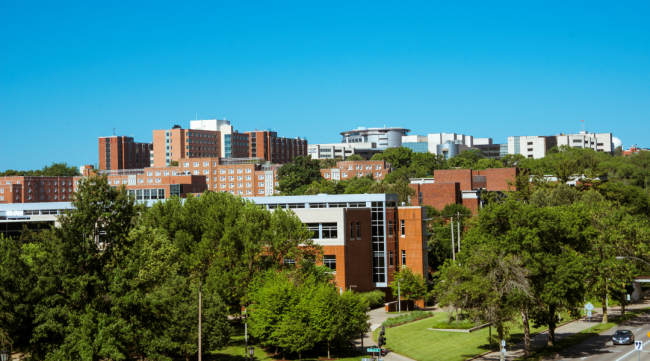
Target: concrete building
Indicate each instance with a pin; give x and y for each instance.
(537, 146)
(356, 168)
(382, 137)
(279, 150)
(340, 150)
(121, 152)
(452, 144)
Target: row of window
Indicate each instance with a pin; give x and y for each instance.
(358, 174)
(49, 183)
(323, 230)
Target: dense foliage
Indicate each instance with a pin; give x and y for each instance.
(295, 309)
(55, 170)
(118, 281)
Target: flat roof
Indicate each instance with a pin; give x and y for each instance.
(324, 198)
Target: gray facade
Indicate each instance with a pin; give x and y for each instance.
(382, 137)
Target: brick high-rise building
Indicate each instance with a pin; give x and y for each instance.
(266, 144)
(178, 144)
(121, 152)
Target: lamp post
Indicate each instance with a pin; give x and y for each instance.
(4, 355)
(251, 351)
(638, 259)
(399, 295)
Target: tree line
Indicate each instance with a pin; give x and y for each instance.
(54, 170)
(539, 251)
(116, 280)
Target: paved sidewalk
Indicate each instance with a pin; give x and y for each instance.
(561, 332)
(377, 317)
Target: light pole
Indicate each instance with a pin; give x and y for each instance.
(251, 351)
(399, 295)
(638, 259)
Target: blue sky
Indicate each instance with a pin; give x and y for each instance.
(70, 72)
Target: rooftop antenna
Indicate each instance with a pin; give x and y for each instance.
(113, 131)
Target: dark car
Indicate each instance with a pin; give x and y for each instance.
(623, 337)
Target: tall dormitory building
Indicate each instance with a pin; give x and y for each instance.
(279, 150)
(121, 152)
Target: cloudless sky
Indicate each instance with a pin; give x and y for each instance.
(71, 71)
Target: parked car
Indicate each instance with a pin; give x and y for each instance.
(623, 337)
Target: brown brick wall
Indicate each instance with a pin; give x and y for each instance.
(462, 176)
(35, 189)
(472, 204)
(497, 178)
(358, 261)
(437, 195)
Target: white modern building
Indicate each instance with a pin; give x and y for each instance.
(537, 146)
(337, 150)
(382, 137)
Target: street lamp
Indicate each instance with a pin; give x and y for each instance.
(251, 351)
(638, 259)
(4, 355)
(399, 295)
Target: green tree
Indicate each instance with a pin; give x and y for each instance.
(327, 318)
(565, 169)
(16, 298)
(354, 157)
(173, 163)
(295, 177)
(549, 241)
(412, 288)
(512, 160)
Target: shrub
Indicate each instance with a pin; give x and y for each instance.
(400, 320)
(462, 325)
(375, 298)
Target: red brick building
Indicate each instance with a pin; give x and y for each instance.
(121, 152)
(279, 150)
(460, 186)
(357, 168)
(35, 189)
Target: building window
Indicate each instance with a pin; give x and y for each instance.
(196, 164)
(248, 170)
(345, 175)
(403, 226)
(240, 178)
(248, 177)
(314, 227)
(358, 230)
(351, 230)
(329, 261)
(289, 262)
(196, 172)
(157, 180)
(403, 258)
(248, 185)
(260, 184)
(148, 173)
(206, 164)
(261, 191)
(390, 258)
(329, 230)
(223, 185)
(327, 175)
(231, 185)
(260, 177)
(140, 180)
(239, 170)
(231, 171)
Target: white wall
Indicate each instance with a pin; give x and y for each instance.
(325, 215)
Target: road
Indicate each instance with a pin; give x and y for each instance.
(600, 348)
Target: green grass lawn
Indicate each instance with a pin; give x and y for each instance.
(235, 352)
(414, 340)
